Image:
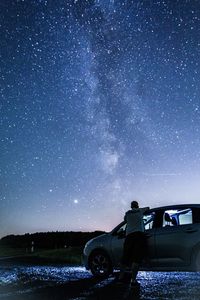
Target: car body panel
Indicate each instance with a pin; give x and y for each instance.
(182, 239)
(116, 249)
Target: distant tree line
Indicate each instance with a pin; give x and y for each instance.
(49, 240)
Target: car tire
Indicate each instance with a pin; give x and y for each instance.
(100, 264)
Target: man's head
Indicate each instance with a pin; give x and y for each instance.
(134, 204)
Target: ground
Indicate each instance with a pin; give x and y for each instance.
(25, 281)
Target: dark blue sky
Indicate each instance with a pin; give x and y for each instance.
(100, 104)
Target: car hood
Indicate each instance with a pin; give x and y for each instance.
(99, 238)
(98, 241)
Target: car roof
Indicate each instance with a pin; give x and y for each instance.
(175, 206)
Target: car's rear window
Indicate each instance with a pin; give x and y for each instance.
(175, 217)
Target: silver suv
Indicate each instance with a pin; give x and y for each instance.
(173, 238)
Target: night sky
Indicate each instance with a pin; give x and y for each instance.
(100, 105)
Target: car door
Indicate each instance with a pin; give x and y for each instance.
(117, 243)
(118, 238)
(176, 238)
(150, 229)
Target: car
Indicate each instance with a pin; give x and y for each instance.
(173, 242)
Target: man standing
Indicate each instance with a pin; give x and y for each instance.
(135, 242)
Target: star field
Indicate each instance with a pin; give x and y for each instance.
(100, 104)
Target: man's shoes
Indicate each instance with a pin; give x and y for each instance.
(135, 284)
(122, 279)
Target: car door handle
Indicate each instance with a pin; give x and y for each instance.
(190, 230)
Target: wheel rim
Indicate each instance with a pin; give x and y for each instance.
(100, 264)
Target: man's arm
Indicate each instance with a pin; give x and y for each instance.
(144, 209)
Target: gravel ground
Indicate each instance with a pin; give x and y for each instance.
(31, 282)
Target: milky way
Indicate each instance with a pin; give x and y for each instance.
(100, 104)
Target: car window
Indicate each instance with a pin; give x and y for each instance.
(148, 220)
(121, 229)
(185, 217)
(177, 217)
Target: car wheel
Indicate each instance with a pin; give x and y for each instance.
(100, 264)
